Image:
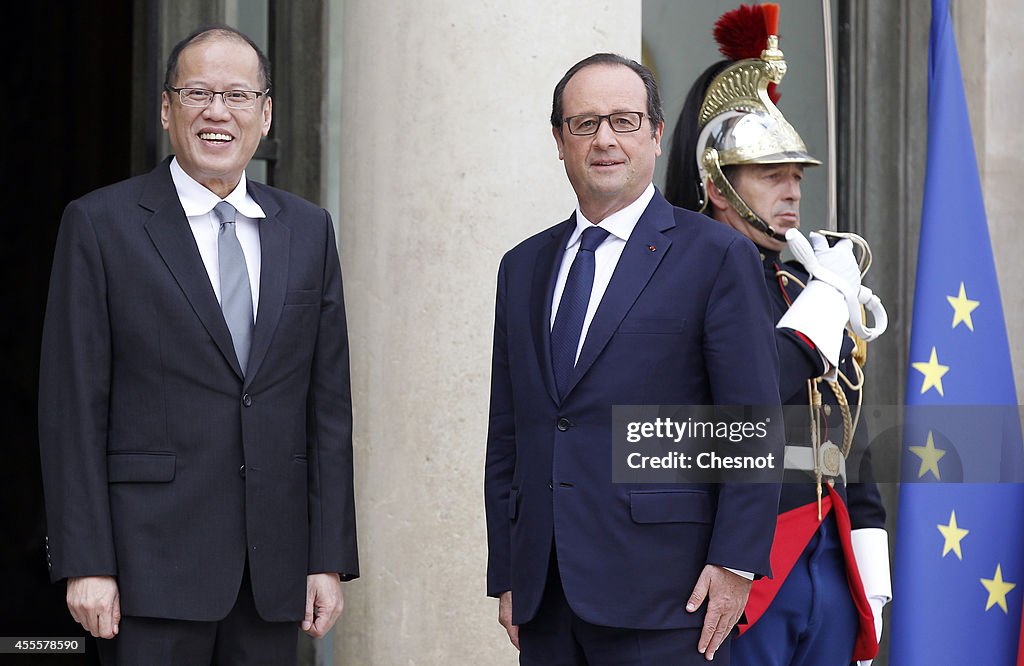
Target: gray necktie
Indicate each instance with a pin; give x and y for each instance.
(235, 293)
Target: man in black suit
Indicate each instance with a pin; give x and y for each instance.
(195, 411)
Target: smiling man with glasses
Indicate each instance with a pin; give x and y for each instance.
(195, 413)
(233, 99)
(629, 301)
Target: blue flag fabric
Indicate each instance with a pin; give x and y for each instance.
(959, 564)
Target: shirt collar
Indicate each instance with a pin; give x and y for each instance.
(197, 200)
(619, 224)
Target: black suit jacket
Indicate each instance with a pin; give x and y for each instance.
(162, 464)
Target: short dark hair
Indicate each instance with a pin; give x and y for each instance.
(654, 111)
(211, 32)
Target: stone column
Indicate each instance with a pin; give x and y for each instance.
(987, 38)
(446, 162)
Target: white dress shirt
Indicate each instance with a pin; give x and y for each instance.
(619, 226)
(198, 203)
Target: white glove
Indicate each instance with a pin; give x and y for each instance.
(871, 550)
(839, 259)
(816, 312)
(855, 294)
(820, 313)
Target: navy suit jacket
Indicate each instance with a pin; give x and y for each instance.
(685, 320)
(162, 464)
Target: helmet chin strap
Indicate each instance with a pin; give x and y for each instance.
(714, 171)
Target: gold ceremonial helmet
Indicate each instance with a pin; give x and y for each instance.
(740, 124)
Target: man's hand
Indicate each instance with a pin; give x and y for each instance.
(324, 603)
(839, 259)
(727, 594)
(505, 617)
(95, 604)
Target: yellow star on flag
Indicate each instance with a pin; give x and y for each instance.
(930, 457)
(933, 372)
(997, 590)
(953, 535)
(962, 308)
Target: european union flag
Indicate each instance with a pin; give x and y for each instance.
(959, 570)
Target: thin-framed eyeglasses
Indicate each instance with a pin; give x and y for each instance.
(233, 99)
(588, 123)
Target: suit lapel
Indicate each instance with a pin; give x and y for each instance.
(169, 230)
(634, 270)
(545, 273)
(275, 239)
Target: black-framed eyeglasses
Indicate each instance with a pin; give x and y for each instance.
(621, 123)
(233, 99)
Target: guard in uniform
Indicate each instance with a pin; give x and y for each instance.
(735, 157)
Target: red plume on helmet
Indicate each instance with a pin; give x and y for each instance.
(743, 33)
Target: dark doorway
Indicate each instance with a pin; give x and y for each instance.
(67, 130)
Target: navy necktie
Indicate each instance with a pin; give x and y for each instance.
(572, 309)
(235, 292)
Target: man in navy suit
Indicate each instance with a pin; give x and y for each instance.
(195, 412)
(674, 311)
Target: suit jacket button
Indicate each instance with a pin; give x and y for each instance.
(241, 471)
(564, 424)
(247, 400)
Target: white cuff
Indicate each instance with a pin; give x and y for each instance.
(738, 572)
(820, 313)
(871, 550)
